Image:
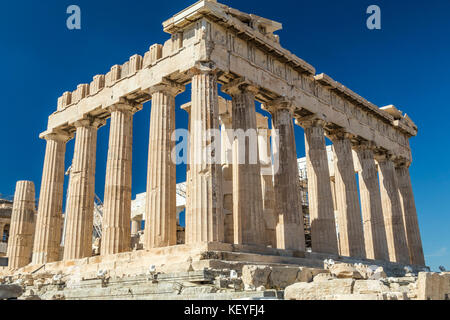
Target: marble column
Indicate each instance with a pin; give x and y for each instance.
(333, 192)
(335, 212)
(188, 218)
(49, 218)
(290, 231)
(351, 235)
(225, 110)
(2, 228)
(411, 222)
(205, 221)
(21, 232)
(116, 233)
(392, 211)
(80, 205)
(321, 210)
(160, 212)
(371, 207)
(268, 192)
(247, 192)
(136, 223)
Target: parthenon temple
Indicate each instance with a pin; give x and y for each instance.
(360, 205)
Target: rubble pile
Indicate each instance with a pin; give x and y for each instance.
(335, 281)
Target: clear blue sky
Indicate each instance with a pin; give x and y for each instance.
(406, 64)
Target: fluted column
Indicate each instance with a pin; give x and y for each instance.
(351, 236)
(321, 210)
(204, 220)
(80, 205)
(333, 191)
(49, 218)
(371, 208)
(333, 194)
(160, 212)
(187, 209)
(392, 211)
(2, 228)
(290, 231)
(247, 193)
(116, 233)
(268, 192)
(136, 225)
(413, 238)
(225, 109)
(21, 232)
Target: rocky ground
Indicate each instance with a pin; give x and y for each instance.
(335, 281)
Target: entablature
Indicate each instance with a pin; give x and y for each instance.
(237, 45)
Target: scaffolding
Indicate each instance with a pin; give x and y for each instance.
(303, 191)
(98, 218)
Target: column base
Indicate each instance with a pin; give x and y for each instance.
(187, 258)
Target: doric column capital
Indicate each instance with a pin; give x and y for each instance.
(240, 85)
(58, 135)
(340, 134)
(125, 105)
(363, 145)
(90, 121)
(402, 163)
(170, 87)
(382, 155)
(279, 104)
(204, 67)
(313, 120)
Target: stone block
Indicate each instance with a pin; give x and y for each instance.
(342, 270)
(433, 286)
(154, 54)
(369, 287)
(193, 276)
(125, 70)
(113, 75)
(65, 100)
(80, 93)
(378, 275)
(281, 277)
(364, 270)
(323, 277)
(10, 291)
(135, 64)
(97, 84)
(255, 276)
(318, 290)
(308, 274)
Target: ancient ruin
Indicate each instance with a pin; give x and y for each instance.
(5, 224)
(238, 214)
